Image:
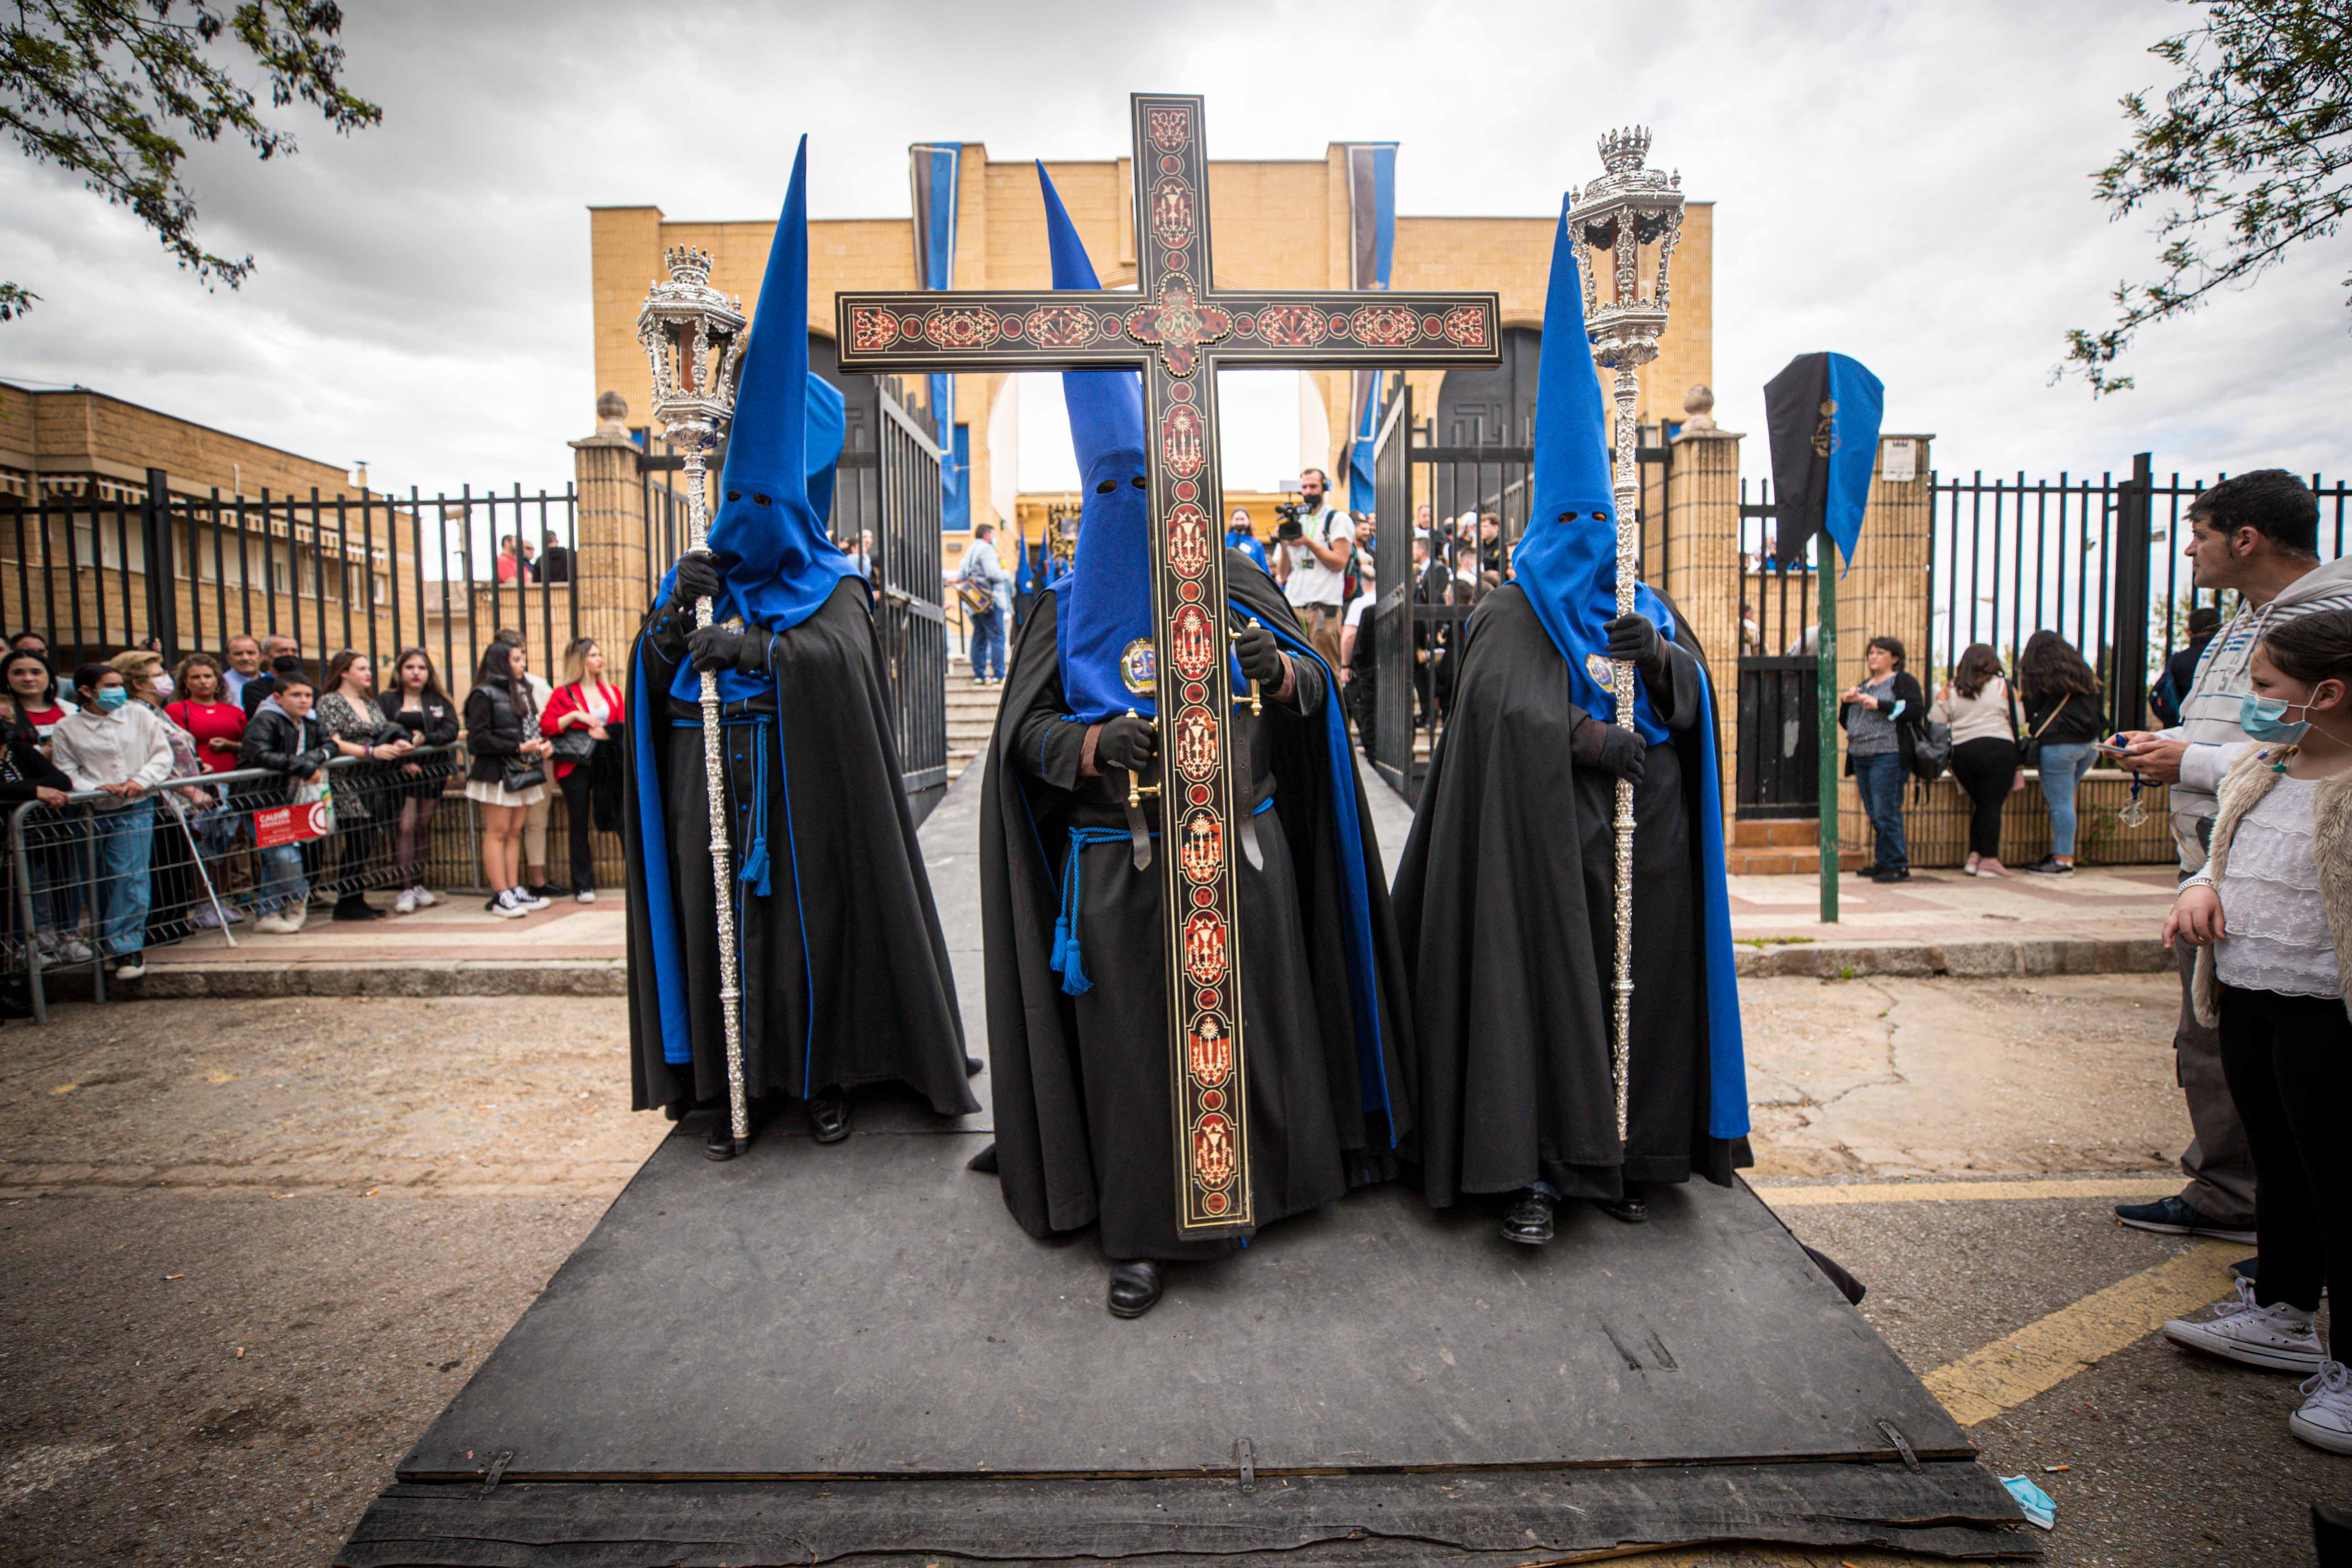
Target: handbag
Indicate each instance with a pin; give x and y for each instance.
(572, 743)
(976, 598)
(2029, 751)
(522, 774)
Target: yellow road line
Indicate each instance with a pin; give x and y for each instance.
(1782, 1197)
(2044, 1354)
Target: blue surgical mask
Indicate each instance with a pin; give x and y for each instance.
(112, 697)
(2264, 718)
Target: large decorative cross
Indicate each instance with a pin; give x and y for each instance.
(1179, 330)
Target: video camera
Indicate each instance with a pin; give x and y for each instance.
(1287, 528)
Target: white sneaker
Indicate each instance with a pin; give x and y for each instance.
(406, 903)
(506, 906)
(73, 950)
(2278, 1338)
(275, 924)
(426, 897)
(2326, 1419)
(132, 968)
(526, 899)
(585, 895)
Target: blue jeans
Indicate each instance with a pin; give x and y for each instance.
(1878, 779)
(2062, 768)
(283, 886)
(120, 844)
(988, 644)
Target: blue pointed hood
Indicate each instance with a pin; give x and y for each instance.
(1567, 563)
(1104, 601)
(776, 488)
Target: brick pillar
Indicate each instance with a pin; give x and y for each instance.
(610, 571)
(1703, 566)
(1884, 594)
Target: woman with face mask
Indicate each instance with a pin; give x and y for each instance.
(2271, 915)
(121, 749)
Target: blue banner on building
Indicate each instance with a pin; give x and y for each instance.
(1371, 208)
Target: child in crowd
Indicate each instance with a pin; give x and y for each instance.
(2272, 916)
(283, 736)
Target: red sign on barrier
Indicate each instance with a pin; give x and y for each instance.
(291, 823)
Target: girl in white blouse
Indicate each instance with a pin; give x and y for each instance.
(2272, 916)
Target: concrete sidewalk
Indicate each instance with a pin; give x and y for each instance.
(2098, 922)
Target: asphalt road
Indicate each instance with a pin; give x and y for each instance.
(248, 1249)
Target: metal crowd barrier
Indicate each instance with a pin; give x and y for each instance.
(95, 880)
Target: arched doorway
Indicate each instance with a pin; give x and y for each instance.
(1493, 407)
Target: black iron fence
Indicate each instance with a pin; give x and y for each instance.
(96, 566)
(2096, 561)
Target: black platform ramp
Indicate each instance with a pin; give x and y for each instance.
(820, 1354)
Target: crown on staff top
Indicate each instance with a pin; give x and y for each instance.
(688, 265)
(1624, 152)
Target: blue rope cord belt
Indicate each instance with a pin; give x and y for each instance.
(1064, 961)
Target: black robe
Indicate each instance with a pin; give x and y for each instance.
(844, 971)
(1085, 1120)
(1505, 902)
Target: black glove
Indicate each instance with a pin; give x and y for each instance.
(1610, 749)
(715, 647)
(1260, 656)
(1636, 637)
(1128, 743)
(698, 577)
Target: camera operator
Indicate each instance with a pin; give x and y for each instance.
(1317, 541)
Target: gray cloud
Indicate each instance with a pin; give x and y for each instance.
(1908, 184)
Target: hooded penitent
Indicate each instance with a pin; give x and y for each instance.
(1566, 566)
(1078, 1049)
(844, 975)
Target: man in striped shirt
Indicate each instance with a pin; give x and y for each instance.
(2257, 536)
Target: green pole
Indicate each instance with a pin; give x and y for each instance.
(1825, 687)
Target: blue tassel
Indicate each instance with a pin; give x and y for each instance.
(1074, 976)
(755, 868)
(1061, 943)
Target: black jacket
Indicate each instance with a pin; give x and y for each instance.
(1908, 727)
(494, 731)
(23, 768)
(2079, 722)
(435, 724)
(273, 740)
(257, 691)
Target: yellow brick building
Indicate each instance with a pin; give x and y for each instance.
(1278, 224)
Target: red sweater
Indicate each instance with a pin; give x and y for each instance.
(210, 722)
(571, 699)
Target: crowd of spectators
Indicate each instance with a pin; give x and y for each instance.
(155, 781)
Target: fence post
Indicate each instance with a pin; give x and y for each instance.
(609, 569)
(1883, 593)
(1703, 574)
(2135, 522)
(162, 574)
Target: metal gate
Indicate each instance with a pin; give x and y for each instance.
(892, 488)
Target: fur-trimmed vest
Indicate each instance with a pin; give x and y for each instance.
(2249, 778)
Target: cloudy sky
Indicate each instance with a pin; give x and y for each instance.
(1906, 184)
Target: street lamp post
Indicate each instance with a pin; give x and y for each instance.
(694, 336)
(1629, 210)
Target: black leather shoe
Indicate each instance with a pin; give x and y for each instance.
(1528, 1219)
(985, 1161)
(972, 1066)
(1134, 1288)
(828, 1118)
(720, 1143)
(1633, 1208)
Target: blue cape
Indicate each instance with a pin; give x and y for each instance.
(1567, 565)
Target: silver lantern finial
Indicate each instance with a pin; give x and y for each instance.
(1629, 208)
(694, 336)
